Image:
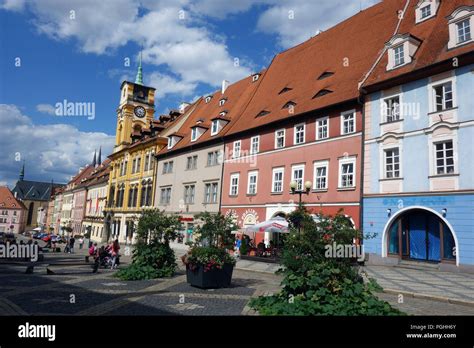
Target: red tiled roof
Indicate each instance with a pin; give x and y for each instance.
(237, 94)
(8, 200)
(347, 50)
(434, 36)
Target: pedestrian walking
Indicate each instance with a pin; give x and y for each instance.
(81, 242)
(114, 250)
(72, 240)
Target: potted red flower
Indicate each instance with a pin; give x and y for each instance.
(209, 263)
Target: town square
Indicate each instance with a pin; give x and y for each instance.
(250, 159)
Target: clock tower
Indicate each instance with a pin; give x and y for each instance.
(136, 109)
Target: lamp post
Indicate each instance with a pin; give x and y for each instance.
(295, 191)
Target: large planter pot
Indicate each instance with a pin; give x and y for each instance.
(215, 278)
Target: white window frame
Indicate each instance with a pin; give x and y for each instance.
(384, 108)
(319, 126)
(194, 134)
(317, 165)
(283, 130)
(435, 159)
(231, 186)
(252, 141)
(458, 16)
(433, 6)
(238, 145)
(222, 102)
(432, 93)
(215, 127)
(459, 42)
(253, 173)
(385, 164)
(295, 133)
(295, 168)
(342, 162)
(346, 113)
(399, 54)
(275, 171)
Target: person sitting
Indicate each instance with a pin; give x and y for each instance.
(261, 248)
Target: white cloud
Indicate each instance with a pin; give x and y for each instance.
(54, 151)
(189, 51)
(295, 21)
(12, 5)
(46, 109)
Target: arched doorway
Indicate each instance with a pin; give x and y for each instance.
(420, 234)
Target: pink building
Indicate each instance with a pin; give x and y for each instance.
(12, 212)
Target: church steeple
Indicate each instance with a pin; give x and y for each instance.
(22, 171)
(99, 158)
(139, 78)
(94, 161)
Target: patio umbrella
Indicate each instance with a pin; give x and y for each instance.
(275, 225)
(37, 229)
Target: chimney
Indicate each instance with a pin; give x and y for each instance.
(225, 84)
(183, 106)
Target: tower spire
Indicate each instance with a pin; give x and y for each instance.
(94, 161)
(99, 158)
(22, 171)
(139, 78)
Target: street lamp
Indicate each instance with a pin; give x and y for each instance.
(295, 191)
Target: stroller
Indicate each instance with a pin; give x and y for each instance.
(104, 259)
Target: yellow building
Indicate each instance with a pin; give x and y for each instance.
(132, 177)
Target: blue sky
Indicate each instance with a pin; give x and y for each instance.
(75, 51)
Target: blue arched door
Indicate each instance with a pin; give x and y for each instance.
(421, 235)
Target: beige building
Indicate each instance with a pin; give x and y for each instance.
(189, 172)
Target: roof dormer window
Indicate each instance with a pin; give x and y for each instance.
(426, 9)
(322, 93)
(222, 101)
(263, 113)
(460, 23)
(197, 131)
(223, 113)
(255, 77)
(215, 127)
(208, 99)
(284, 90)
(401, 50)
(288, 105)
(194, 134)
(325, 75)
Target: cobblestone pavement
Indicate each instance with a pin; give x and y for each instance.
(434, 283)
(75, 290)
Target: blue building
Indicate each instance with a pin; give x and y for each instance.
(418, 191)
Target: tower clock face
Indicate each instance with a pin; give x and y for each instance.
(139, 111)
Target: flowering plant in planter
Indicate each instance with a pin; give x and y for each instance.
(208, 262)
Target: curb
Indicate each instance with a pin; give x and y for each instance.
(253, 270)
(430, 297)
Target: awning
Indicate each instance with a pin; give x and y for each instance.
(275, 225)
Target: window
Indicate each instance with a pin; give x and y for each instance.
(255, 77)
(279, 139)
(234, 185)
(254, 144)
(208, 99)
(277, 181)
(391, 109)
(210, 192)
(399, 55)
(167, 167)
(347, 173)
(297, 174)
(191, 162)
(392, 163)
(222, 102)
(215, 127)
(213, 158)
(348, 122)
(236, 150)
(165, 195)
(170, 143)
(443, 96)
(147, 162)
(463, 29)
(252, 183)
(321, 175)
(425, 11)
(189, 191)
(299, 134)
(194, 134)
(444, 157)
(322, 128)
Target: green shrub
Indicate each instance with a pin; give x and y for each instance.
(314, 284)
(152, 256)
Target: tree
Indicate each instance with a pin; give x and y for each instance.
(215, 230)
(153, 257)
